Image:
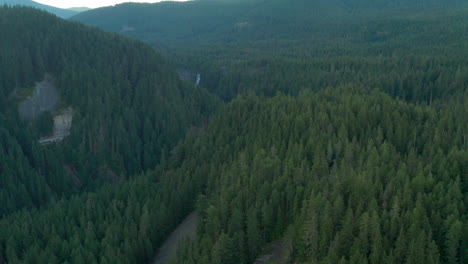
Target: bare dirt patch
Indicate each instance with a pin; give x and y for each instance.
(169, 248)
(62, 126)
(277, 253)
(63, 122)
(45, 97)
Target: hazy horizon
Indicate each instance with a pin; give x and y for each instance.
(92, 3)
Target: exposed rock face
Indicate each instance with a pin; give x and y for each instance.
(44, 98)
(62, 126)
(63, 122)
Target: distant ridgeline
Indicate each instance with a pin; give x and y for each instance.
(229, 21)
(289, 45)
(127, 107)
(63, 13)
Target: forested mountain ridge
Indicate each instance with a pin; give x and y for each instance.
(167, 23)
(267, 46)
(344, 140)
(64, 13)
(129, 107)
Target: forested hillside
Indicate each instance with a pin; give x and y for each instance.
(270, 46)
(342, 139)
(129, 107)
(200, 21)
(347, 175)
(64, 13)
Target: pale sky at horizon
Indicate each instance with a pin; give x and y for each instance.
(92, 3)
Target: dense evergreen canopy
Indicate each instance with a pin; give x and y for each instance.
(270, 46)
(346, 175)
(345, 139)
(350, 185)
(129, 106)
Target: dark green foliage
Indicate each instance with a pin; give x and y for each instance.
(334, 168)
(45, 124)
(128, 105)
(353, 150)
(421, 59)
(113, 225)
(283, 45)
(331, 166)
(29, 176)
(233, 22)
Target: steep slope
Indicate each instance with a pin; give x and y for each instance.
(63, 13)
(129, 107)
